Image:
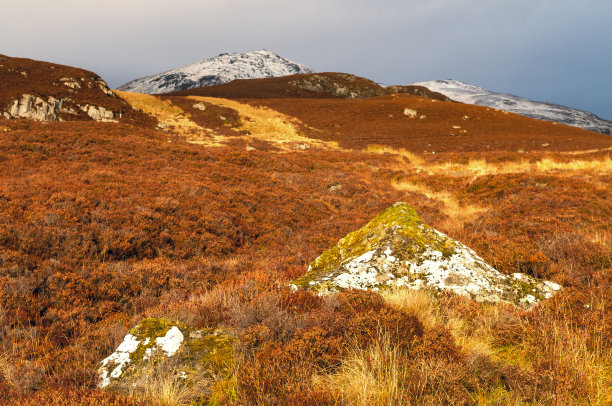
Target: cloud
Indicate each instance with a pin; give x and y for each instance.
(549, 50)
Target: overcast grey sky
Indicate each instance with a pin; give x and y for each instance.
(558, 51)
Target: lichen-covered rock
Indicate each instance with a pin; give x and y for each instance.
(158, 349)
(397, 249)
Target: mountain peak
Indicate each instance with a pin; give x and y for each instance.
(220, 69)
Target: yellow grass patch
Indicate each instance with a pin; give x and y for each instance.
(586, 151)
(457, 212)
(166, 113)
(265, 124)
(412, 158)
(421, 303)
(480, 167)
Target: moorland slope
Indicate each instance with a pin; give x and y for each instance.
(205, 210)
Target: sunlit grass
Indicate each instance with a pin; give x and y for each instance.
(265, 124)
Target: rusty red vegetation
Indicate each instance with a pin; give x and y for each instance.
(102, 224)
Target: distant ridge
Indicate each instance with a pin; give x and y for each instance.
(466, 93)
(217, 70)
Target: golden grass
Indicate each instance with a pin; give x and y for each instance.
(372, 376)
(268, 125)
(404, 154)
(421, 303)
(480, 167)
(167, 114)
(457, 212)
(568, 345)
(259, 123)
(586, 151)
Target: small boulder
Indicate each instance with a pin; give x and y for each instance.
(161, 350)
(397, 250)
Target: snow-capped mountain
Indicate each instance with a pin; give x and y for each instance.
(466, 93)
(220, 69)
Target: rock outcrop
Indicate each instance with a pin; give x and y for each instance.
(35, 108)
(339, 85)
(45, 91)
(397, 250)
(158, 349)
(98, 113)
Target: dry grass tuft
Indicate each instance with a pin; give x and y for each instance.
(421, 303)
(371, 376)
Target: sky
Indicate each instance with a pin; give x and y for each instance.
(558, 51)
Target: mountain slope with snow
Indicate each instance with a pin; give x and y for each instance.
(220, 69)
(466, 93)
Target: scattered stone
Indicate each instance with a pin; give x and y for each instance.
(334, 187)
(71, 83)
(199, 106)
(397, 250)
(410, 113)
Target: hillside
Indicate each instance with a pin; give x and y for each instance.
(51, 92)
(196, 221)
(316, 85)
(467, 93)
(213, 71)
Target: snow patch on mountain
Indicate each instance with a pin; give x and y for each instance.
(220, 69)
(466, 93)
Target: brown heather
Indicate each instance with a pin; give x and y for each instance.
(104, 224)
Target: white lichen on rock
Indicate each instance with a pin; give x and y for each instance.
(397, 250)
(159, 347)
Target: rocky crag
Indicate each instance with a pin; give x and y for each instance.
(45, 91)
(397, 250)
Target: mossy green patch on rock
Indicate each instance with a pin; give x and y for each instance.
(396, 249)
(397, 228)
(146, 333)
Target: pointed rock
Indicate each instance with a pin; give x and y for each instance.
(397, 249)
